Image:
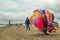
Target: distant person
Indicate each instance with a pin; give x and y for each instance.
(9, 24)
(18, 25)
(27, 23)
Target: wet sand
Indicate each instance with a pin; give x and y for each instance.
(15, 33)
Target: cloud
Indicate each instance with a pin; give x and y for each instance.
(13, 17)
(18, 10)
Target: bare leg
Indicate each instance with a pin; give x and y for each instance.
(45, 31)
(29, 28)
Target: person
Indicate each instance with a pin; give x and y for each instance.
(27, 23)
(18, 25)
(45, 25)
(9, 24)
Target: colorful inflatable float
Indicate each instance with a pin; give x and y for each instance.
(43, 18)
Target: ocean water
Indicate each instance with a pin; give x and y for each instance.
(2, 25)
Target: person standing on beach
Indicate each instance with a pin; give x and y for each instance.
(27, 23)
(18, 25)
(45, 25)
(9, 24)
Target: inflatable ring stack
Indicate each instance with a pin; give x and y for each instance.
(43, 18)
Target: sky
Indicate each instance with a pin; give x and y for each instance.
(17, 10)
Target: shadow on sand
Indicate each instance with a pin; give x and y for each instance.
(42, 35)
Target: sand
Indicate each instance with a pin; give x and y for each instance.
(15, 33)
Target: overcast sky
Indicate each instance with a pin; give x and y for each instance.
(18, 10)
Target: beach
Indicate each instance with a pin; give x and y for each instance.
(15, 33)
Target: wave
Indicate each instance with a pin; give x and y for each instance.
(2, 25)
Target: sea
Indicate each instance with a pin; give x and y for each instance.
(3, 25)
